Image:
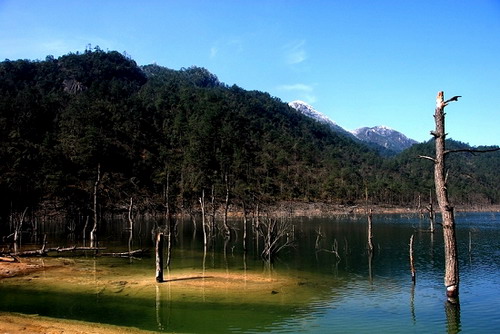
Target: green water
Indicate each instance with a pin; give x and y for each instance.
(303, 291)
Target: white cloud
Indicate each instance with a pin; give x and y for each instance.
(295, 52)
(297, 87)
(225, 49)
(213, 52)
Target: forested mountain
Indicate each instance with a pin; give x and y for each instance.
(163, 136)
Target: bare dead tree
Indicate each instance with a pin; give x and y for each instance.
(451, 278)
(131, 224)
(167, 198)
(227, 232)
(245, 222)
(277, 235)
(370, 233)
(203, 217)
(93, 232)
(214, 210)
(85, 228)
(159, 257)
(319, 236)
(18, 221)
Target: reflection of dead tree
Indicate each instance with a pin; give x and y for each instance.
(412, 262)
(453, 322)
(129, 254)
(319, 236)
(335, 245)
(432, 215)
(277, 235)
(171, 230)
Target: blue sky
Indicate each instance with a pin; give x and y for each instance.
(362, 63)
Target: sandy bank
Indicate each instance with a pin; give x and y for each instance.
(13, 323)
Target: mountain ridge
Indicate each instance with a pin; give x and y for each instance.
(385, 136)
(309, 111)
(167, 136)
(381, 136)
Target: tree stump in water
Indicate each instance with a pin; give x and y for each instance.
(159, 257)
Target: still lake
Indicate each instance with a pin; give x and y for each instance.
(304, 291)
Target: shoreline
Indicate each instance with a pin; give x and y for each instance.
(320, 209)
(288, 209)
(18, 323)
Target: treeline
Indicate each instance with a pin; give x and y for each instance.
(164, 136)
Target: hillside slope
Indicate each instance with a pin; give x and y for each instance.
(164, 136)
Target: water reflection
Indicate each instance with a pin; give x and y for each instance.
(331, 280)
(452, 310)
(158, 309)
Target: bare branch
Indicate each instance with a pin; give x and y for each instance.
(426, 157)
(472, 151)
(454, 98)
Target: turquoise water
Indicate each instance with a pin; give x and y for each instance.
(347, 294)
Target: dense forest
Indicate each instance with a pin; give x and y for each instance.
(96, 122)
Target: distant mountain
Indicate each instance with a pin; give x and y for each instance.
(384, 136)
(309, 111)
(385, 140)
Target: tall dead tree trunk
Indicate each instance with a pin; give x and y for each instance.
(166, 196)
(203, 218)
(226, 209)
(244, 227)
(18, 226)
(159, 257)
(370, 233)
(93, 233)
(451, 276)
(131, 224)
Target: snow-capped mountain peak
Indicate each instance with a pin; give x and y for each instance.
(385, 137)
(308, 110)
(380, 136)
